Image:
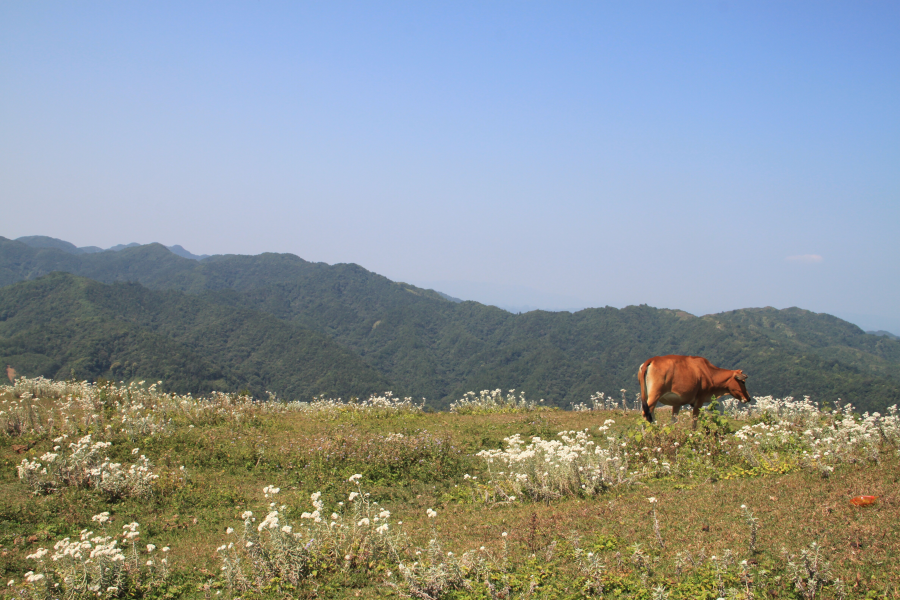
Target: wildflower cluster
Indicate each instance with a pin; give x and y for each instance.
(63, 407)
(87, 465)
(356, 536)
(819, 439)
(785, 409)
(98, 566)
(571, 465)
(600, 401)
(493, 401)
(49, 407)
(373, 406)
(782, 434)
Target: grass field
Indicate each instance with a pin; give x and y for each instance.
(380, 499)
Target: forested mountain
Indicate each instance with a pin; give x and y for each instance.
(424, 344)
(65, 326)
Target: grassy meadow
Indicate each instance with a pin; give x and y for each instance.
(111, 491)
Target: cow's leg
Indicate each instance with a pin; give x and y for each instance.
(675, 410)
(696, 415)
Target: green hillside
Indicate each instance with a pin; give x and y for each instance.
(65, 326)
(429, 346)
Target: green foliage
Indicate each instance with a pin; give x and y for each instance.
(712, 422)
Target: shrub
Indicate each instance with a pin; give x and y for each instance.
(87, 466)
(356, 537)
(96, 566)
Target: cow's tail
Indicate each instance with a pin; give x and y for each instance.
(642, 378)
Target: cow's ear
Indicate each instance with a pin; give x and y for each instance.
(739, 375)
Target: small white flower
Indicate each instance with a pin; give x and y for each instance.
(230, 530)
(431, 513)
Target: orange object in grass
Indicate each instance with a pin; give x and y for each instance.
(862, 500)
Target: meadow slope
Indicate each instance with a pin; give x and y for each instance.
(499, 498)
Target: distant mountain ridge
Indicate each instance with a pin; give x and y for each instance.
(885, 334)
(425, 344)
(43, 241)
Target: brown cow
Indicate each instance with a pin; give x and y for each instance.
(677, 381)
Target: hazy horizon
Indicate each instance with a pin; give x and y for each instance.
(706, 157)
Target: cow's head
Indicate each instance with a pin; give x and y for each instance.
(737, 386)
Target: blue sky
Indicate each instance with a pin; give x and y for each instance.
(706, 156)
